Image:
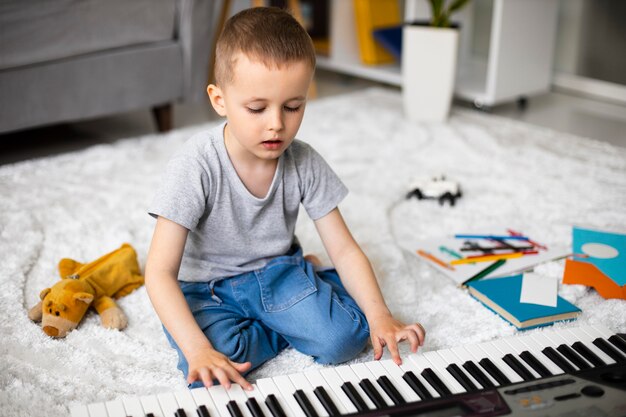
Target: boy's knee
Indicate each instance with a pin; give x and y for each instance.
(342, 349)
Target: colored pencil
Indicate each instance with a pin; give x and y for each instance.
(450, 252)
(487, 258)
(539, 245)
(497, 264)
(497, 237)
(434, 259)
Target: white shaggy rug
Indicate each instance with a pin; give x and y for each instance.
(85, 204)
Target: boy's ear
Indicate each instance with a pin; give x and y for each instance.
(217, 99)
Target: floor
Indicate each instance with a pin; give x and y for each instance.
(556, 110)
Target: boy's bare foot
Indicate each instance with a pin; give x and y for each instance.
(313, 259)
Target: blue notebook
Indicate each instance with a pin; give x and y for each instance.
(502, 295)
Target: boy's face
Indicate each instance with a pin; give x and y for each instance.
(264, 106)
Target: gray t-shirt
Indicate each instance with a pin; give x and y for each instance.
(230, 230)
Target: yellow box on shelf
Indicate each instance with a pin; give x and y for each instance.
(369, 16)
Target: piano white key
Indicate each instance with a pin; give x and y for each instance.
(237, 394)
(287, 389)
(587, 339)
(300, 382)
(496, 357)
(186, 402)
(545, 342)
(450, 357)
(201, 396)
(348, 375)
(220, 399)
(556, 341)
(317, 380)
(377, 369)
(570, 338)
(260, 399)
(115, 408)
(97, 410)
(335, 382)
(133, 407)
(150, 404)
(465, 355)
(168, 404)
(360, 369)
(439, 366)
(527, 342)
(506, 348)
(395, 373)
(599, 330)
(268, 387)
(417, 364)
(79, 411)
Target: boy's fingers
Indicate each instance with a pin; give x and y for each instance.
(418, 330)
(393, 349)
(413, 339)
(205, 377)
(193, 375)
(237, 378)
(242, 367)
(222, 377)
(378, 348)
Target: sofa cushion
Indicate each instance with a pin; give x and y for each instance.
(36, 31)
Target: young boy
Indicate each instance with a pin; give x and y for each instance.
(225, 272)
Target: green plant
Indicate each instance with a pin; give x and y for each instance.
(441, 13)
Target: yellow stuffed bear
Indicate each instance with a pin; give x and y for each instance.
(96, 284)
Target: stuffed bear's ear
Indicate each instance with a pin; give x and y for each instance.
(43, 293)
(85, 297)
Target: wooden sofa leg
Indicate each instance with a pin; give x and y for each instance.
(163, 117)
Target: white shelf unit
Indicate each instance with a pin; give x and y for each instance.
(518, 64)
(344, 48)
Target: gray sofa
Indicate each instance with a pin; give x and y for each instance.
(67, 60)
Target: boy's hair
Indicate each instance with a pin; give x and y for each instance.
(266, 34)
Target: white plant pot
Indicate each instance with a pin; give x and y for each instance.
(429, 61)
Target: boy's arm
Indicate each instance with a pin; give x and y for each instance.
(164, 258)
(358, 278)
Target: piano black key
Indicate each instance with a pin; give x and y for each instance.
(460, 376)
(305, 404)
(416, 385)
(372, 393)
(149, 415)
(390, 390)
(556, 357)
(233, 409)
(518, 367)
(180, 413)
(607, 348)
(203, 411)
(573, 357)
(534, 363)
(274, 406)
(326, 401)
(254, 407)
(494, 371)
(478, 375)
(618, 342)
(588, 354)
(431, 377)
(354, 396)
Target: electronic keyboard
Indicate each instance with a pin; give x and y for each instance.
(578, 371)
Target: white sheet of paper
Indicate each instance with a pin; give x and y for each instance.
(537, 289)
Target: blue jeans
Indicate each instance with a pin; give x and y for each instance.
(253, 316)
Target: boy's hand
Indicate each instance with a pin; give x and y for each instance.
(209, 364)
(387, 331)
